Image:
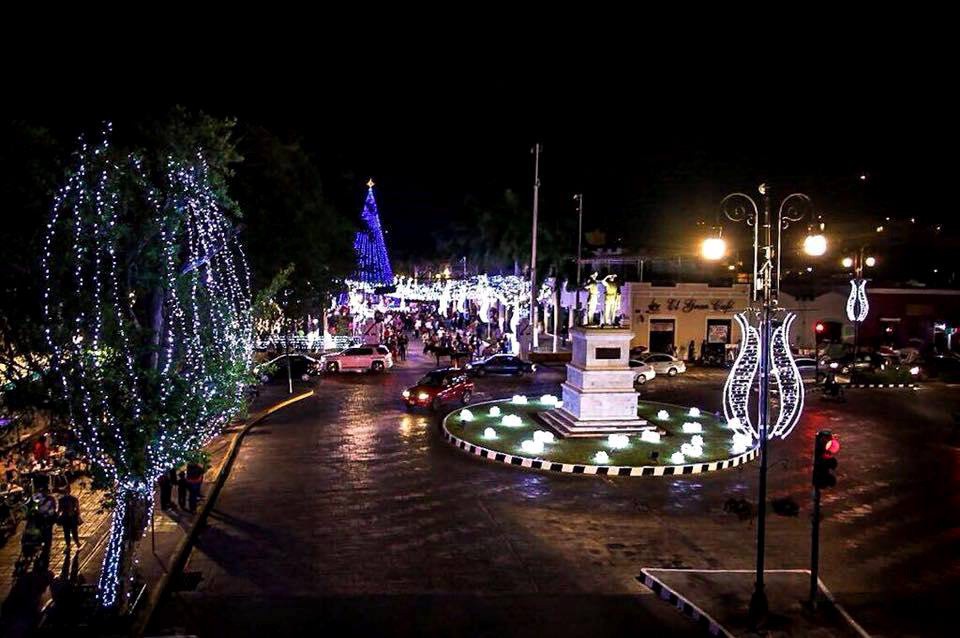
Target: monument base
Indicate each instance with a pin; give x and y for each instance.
(567, 425)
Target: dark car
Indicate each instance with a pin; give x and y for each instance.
(301, 367)
(501, 364)
(438, 387)
(865, 362)
(945, 367)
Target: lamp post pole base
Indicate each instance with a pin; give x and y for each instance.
(759, 607)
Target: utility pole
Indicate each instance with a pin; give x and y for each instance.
(533, 248)
(579, 198)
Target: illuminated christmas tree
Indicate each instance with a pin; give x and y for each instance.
(373, 263)
(147, 310)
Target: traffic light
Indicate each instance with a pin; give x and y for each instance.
(819, 328)
(825, 449)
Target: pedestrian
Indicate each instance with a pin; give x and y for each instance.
(402, 345)
(166, 491)
(194, 481)
(182, 490)
(69, 513)
(47, 516)
(690, 351)
(40, 450)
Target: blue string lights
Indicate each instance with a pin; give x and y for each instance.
(373, 263)
(147, 312)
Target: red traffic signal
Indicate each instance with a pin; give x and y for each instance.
(819, 327)
(824, 463)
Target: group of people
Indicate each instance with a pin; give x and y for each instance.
(188, 482)
(44, 512)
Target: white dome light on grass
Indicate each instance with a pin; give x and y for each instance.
(692, 428)
(489, 433)
(466, 415)
(494, 411)
(532, 447)
(697, 440)
(663, 415)
(740, 443)
(618, 441)
(548, 399)
(519, 399)
(558, 404)
(649, 436)
(689, 449)
(694, 412)
(511, 420)
(677, 458)
(734, 423)
(543, 436)
(601, 458)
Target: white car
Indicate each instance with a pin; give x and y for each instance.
(665, 364)
(360, 358)
(642, 371)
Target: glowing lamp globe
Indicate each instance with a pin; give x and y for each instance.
(677, 458)
(694, 412)
(466, 415)
(519, 399)
(815, 245)
(601, 457)
(489, 433)
(494, 411)
(663, 415)
(692, 428)
(532, 447)
(870, 262)
(713, 248)
(847, 262)
(649, 436)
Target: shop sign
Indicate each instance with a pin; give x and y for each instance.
(689, 305)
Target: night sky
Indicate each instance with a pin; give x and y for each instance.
(652, 149)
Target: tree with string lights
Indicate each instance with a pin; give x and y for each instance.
(147, 317)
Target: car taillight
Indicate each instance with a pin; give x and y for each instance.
(423, 396)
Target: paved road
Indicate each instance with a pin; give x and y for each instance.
(346, 513)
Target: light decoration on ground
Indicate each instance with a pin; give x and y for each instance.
(663, 415)
(373, 264)
(857, 305)
(677, 458)
(147, 316)
(494, 411)
(489, 433)
(518, 399)
(466, 415)
(697, 440)
(650, 436)
(689, 449)
(511, 421)
(691, 427)
(549, 399)
(743, 378)
(532, 446)
(741, 441)
(618, 441)
(695, 413)
(601, 458)
(543, 436)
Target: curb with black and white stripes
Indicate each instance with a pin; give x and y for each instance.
(602, 470)
(904, 386)
(684, 606)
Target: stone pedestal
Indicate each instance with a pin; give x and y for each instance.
(598, 395)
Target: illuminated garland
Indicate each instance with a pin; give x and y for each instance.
(147, 312)
(736, 389)
(857, 304)
(788, 380)
(743, 378)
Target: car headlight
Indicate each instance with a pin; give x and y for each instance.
(915, 370)
(533, 368)
(406, 394)
(423, 396)
(469, 366)
(834, 365)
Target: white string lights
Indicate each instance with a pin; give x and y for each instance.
(743, 379)
(147, 312)
(857, 304)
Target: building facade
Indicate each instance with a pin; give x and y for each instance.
(664, 317)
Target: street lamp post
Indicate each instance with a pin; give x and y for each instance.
(740, 207)
(533, 249)
(857, 306)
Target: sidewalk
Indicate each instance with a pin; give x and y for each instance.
(717, 601)
(29, 594)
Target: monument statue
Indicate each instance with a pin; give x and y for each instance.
(592, 299)
(611, 300)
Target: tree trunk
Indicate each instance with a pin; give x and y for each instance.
(156, 326)
(117, 577)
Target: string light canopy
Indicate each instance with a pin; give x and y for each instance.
(147, 313)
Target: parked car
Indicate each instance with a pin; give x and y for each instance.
(944, 367)
(844, 364)
(807, 367)
(361, 358)
(665, 364)
(301, 366)
(642, 371)
(501, 364)
(438, 387)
